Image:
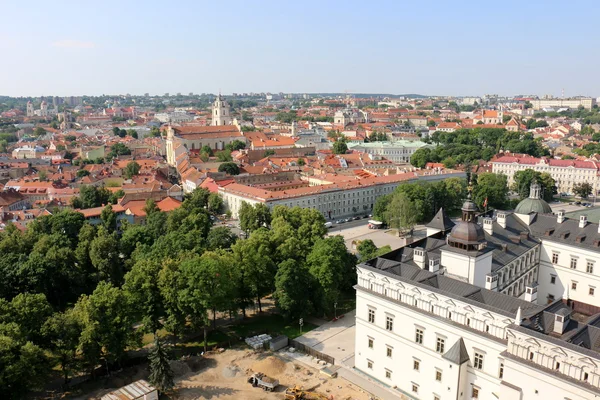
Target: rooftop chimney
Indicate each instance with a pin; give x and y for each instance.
(561, 320)
(531, 293)
(501, 218)
(582, 221)
(560, 216)
(419, 256)
(488, 226)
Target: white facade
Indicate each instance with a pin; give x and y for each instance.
(220, 113)
(333, 200)
(566, 173)
(398, 151)
(404, 333)
(587, 103)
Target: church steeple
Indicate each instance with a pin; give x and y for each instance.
(220, 112)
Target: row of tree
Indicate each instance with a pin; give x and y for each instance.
(79, 296)
(467, 146)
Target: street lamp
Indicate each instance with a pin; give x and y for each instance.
(335, 310)
(301, 322)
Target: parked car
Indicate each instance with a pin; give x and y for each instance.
(340, 221)
(356, 218)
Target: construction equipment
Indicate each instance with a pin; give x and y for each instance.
(296, 393)
(262, 381)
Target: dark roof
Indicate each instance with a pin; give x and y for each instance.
(568, 232)
(530, 205)
(458, 353)
(441, 221)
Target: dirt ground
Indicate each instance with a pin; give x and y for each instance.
(224, 376)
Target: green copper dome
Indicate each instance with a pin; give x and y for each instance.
(534, 203)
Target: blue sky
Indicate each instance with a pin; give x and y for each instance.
(433, 47)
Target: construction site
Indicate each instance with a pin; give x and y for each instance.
(226, 376)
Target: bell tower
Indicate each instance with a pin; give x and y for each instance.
(220, 112)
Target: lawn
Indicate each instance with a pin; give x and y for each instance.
(272, 324)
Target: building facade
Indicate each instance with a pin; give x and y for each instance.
(333, 200)
(221, 113)
(398, 151)
(585, 102)
(483, 310)
(566, 173)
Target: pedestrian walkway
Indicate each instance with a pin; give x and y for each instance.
(336, 339)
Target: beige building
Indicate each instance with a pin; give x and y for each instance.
(566, 173)
(332, 195)
(586, 102)
(196, 137)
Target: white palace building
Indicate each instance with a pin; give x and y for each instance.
(501, 308)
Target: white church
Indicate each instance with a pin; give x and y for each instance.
(497, 308)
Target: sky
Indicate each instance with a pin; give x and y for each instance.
(430, 47)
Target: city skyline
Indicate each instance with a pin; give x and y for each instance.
(429, 49)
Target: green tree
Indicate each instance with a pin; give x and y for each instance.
(39, 131)
(583, 190)
(230, 168)
(142, 289)
(104, 256)
(294, 289)
(131, 169)
(333, 268)
(206, 150)
(82, 172)
(401, 213)
(421, 157)
(301, 162)
(253, 217)
(215, 203)
(29, 311)
(523, 180)
(380, 207)
(367, 250)
(492, 187)
(62, 332)
(208, 285)
(220, 237)
(253, 259)
(161, 375)
(107, 329)
(109, 218)
(23, 365)
(150, 207)
(224, 156)
(269, 153)
(340, 147)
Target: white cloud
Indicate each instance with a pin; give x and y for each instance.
(73, 44)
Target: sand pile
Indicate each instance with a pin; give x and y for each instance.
(230, 371)
(270, 366)
(179, 368)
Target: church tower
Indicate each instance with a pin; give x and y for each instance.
(220, 112)
(30, 109)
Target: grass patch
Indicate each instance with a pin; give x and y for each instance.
(196, 345)
(272, 324)
(149, 337)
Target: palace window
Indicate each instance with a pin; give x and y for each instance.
(478, 361)
(416, 365)
(573, 263)
(370, 343)
(389, 323)
(440, 344)
(438, 375)
(372, 316)
(589, 267)
(419, 336)
(554, 258)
